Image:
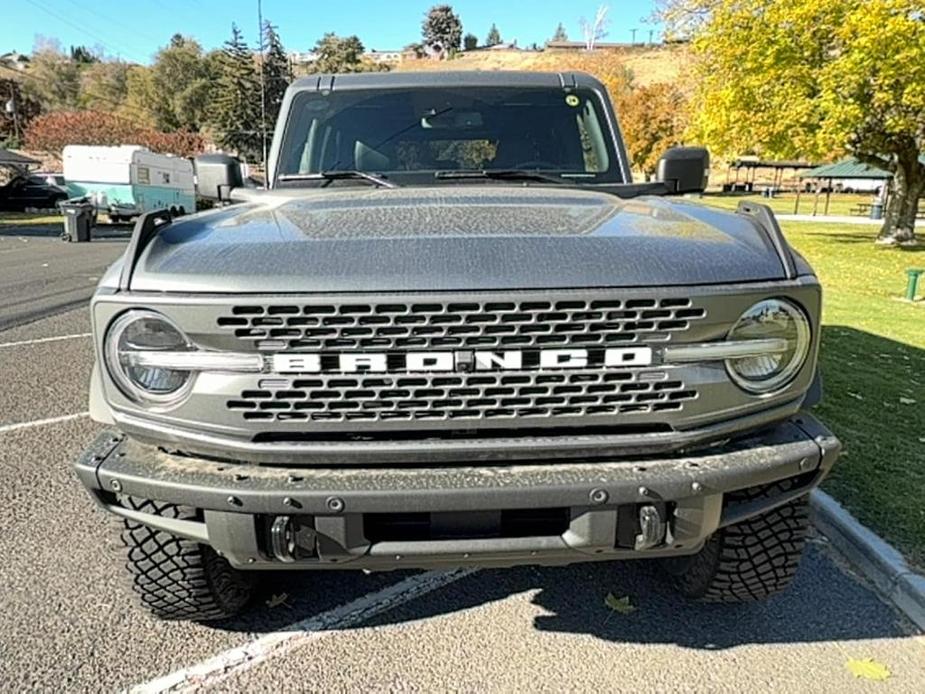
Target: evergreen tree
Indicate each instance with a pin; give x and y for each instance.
(339, 54)
(276, 73)
(470, 42)
(561, 34)
(236, 117)
(494, 36)
(442, 30)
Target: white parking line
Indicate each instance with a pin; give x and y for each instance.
(40, 340)
(237, 660)
(4, 428)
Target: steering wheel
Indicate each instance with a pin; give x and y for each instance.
(536, 164)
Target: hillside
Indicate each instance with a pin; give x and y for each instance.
(648, 64)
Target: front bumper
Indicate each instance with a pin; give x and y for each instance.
(342, 517)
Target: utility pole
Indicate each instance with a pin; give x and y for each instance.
(651, 32)
(263, 93)
(633, 32)
(12, 109)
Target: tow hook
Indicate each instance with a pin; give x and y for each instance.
(282, 540)
(653, 528)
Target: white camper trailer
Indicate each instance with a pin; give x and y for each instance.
(128, 180)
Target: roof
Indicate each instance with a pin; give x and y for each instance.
(846, 168)
(469, 78)
(9, 158)
(761, 164)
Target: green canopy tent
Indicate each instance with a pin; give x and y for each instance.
(846, 169)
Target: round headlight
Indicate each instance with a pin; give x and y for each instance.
(772, 319)
(130, 338)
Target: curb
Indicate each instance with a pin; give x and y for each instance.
(879, 561)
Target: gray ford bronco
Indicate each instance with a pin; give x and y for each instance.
(452, 331)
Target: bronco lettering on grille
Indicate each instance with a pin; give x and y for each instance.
(461, 360)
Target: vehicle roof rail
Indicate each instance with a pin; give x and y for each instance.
(146, 228)
(765, 218)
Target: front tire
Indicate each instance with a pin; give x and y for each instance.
(178, 579)
(748, 561)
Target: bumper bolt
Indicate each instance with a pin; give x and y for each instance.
(696, 487)
(335, 504)
(644, 491)
(291, 503)
(116, 486)
(234, 501)
(598, 496)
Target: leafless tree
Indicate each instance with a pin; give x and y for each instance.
(596, 30)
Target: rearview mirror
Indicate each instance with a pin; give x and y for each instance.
(216, 175)
(684, 169)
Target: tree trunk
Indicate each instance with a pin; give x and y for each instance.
(907, 186)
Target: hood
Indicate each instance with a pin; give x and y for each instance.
(466, 237)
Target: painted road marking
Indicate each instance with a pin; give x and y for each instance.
(40, 340)
(237, 660)
(41, 422)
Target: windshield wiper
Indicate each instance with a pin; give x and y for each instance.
(500, 174)
(328, 176)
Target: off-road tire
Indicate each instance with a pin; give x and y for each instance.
(751, 560)
(177, 578)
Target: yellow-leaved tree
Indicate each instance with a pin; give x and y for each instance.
(790, 78)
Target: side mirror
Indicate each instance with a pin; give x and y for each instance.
(216, 175)
(684, 169)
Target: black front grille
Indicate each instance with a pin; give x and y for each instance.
(463, 396)
(460, 324)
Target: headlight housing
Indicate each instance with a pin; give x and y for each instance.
(771, 319)
(133, 336)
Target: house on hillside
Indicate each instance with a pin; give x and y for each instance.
(383, 57)
(14, 60)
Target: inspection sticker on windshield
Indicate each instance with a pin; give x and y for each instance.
(572, 100)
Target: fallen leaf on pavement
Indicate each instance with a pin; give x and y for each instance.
(868, 669)
(619, 605)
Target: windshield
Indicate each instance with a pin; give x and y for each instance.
(408, 134)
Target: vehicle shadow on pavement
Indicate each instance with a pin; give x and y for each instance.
(823, 604)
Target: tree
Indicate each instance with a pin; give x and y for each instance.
(182, 83)
(653, 118)
(783, 78)
(53, 131)
(276, 73)
(494, 36)
(442, 31)
(52, 80)
(104, 85)
(561, 34)
(339, 54)
(470, 42)
(83, 55)
(595, 30)
(236, 99)
(14, 121)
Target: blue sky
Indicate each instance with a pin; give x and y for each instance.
(133, 29)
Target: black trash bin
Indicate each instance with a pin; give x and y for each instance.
(78, 220)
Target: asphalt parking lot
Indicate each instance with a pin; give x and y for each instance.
(68, 621)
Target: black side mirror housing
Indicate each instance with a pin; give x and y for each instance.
(684, 169)
(216, 175)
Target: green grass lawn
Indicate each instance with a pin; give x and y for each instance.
(840, 203)
(873, 366)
